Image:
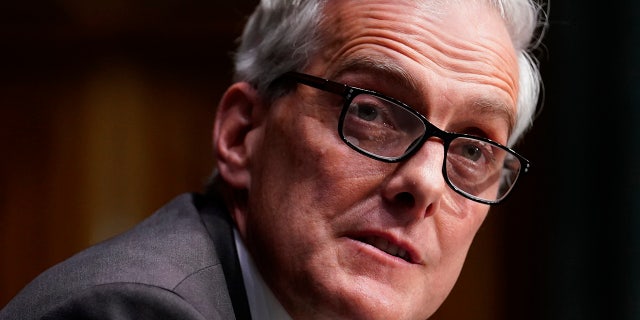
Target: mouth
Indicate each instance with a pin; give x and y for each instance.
(387, 247)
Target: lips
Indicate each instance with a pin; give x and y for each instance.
(388, 247)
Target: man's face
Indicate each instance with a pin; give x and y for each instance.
(339, 235)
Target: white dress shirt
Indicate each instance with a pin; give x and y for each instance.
(262, 303)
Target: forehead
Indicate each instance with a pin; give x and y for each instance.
(425, 46)
(428, 32)
(457, 15)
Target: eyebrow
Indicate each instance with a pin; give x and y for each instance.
(379, 66)
(387, 68)
(497, 109)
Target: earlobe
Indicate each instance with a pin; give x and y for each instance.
(239, 114)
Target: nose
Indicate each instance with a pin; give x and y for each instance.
(415, 188)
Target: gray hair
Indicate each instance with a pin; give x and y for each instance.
(282, 35)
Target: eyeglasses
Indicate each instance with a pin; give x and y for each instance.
(388, 130)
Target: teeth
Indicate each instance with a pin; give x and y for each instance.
(387, 247)
(402, 254)
(381, 244)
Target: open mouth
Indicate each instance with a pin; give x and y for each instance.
(387, 247)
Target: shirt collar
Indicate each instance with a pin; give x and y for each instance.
(262, 303)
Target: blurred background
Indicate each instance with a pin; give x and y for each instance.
(106, 109)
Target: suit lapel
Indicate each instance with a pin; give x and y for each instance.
(220, 227)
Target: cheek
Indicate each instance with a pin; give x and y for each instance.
(306, 161)
(458, 228)
(305, 174)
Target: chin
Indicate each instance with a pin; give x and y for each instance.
(367, 299)
(374, 309)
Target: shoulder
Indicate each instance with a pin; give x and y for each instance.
(155, 260)
(124, 301)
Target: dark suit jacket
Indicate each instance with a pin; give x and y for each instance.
(180, 263)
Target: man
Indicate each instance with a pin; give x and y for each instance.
(357, 155)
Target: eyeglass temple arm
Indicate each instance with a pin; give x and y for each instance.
(318, 83)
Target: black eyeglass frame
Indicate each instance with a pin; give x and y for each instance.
(349, 93)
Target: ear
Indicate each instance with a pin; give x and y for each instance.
(238, 116)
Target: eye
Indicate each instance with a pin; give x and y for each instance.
(366, 112)
(471, 152)
(373, 111)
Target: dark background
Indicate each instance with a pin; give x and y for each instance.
(106, 109)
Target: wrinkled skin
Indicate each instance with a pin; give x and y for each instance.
(306, 204)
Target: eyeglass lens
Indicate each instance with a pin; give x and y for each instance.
(386, 130)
